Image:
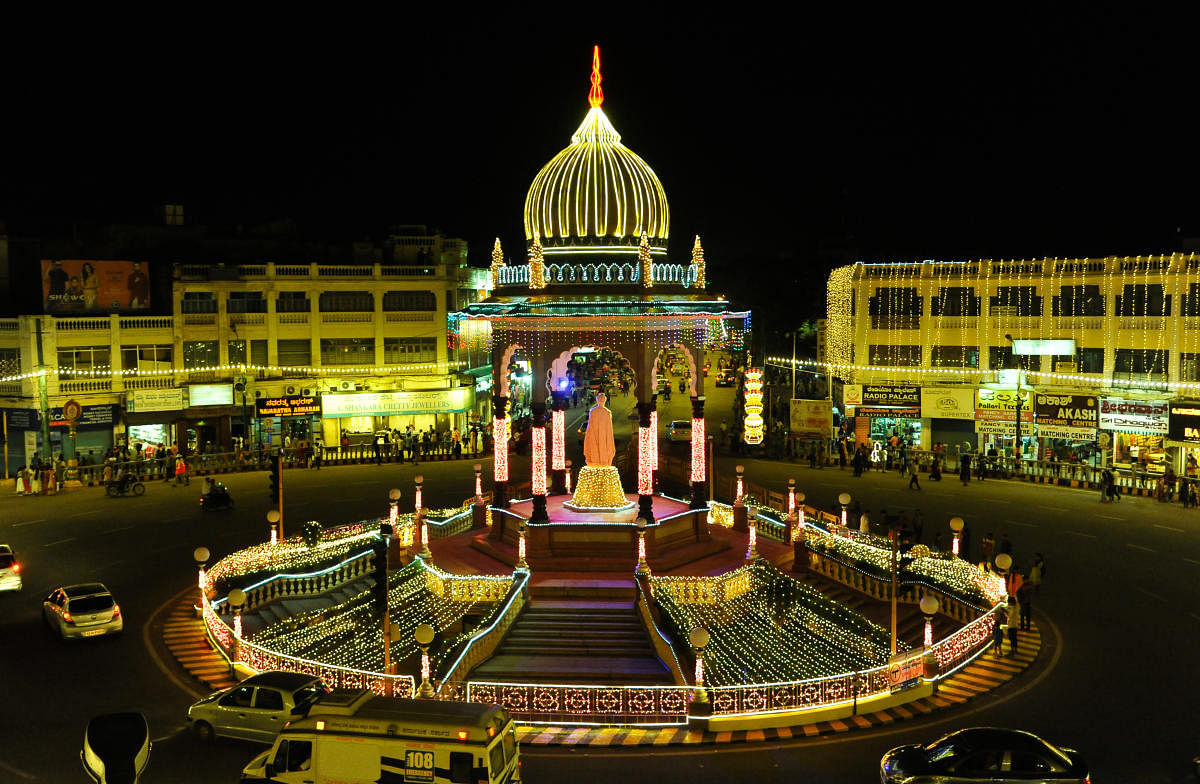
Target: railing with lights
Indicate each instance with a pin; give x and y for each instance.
(600, 273)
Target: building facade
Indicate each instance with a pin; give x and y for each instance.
(915, 340)
(252, 354)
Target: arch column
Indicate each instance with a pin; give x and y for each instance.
(645, 468)
(537, 441)
(558, 442)
(499, 449)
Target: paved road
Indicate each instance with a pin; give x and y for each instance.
(1121, 590)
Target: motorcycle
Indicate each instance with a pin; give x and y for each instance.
(216, 499)
(125, 486)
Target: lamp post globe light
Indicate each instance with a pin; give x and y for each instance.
(698, 638)
(479, 483)
(423, 634)
(418, 507)
(237, 600)
(929, 607)
(800, 497)
(643, 568)
(200, 556)
(752, 531)
(393, 506)
(956, 525)
(737, 499)
(844, 500)
(273, 518)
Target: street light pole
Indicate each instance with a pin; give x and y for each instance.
(893, 537)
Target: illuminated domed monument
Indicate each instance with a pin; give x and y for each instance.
(597, 276)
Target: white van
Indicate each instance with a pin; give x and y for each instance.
(358, 737)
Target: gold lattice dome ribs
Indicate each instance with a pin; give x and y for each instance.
(596, 188)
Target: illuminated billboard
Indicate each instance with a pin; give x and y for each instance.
(77, 286)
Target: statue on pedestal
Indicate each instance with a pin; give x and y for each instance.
(598, 488)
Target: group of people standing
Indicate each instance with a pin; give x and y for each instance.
(43, 476)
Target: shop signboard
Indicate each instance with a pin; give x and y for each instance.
(140, 401)
(947, 403)
(397, 403)
(852, 394)
(811, 418)
(891, 395)
(210, 395)
(1134, 416)
(1073, 417)
(92, 286)
(1184, 422)
(905, 670)
(878, 411)
(21, 418)
(287, 406)
(996, 412)
(89, 417)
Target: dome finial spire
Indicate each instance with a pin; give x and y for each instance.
(596, 95)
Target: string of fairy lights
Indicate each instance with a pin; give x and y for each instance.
(1136, 309)
(779, 630)
(107, 372)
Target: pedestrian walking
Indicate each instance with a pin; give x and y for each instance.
(1036, 572)
(181, 472)
(172, 461)
(914, 481)
(1005, 545)
(1014, 622)
(964, 469)
(998, 635)
(1025, 600)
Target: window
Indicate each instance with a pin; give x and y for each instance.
(238, 355)
(10, 361)
(1144, 299)
(496, 758)
(1137, 361)
(198, 302)
(1001, 358)
(401, 351)
(201, 353)
(347, 302)
(246, 302)
(238, 698)
(1189, 304)
(143, 359)
(460, 767)
(895, 302)
(955, 301)
(299, 755)
(268, 699)
(296, 352)
(409, 300)
(347, 351)
(82, 361)
(1189, 366)
(1016, 301)
(173, 213)
(1078, 301)
(954, 356)
(292, 302)
(1086, 360)
(902, 356)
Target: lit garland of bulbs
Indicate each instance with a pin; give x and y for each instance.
(754, 425)
(646, 264)
(497, 263)
(698, 263)
(537, 264)
(242, 368)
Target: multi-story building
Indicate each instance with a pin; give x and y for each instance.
(948, 329)
(252, 353)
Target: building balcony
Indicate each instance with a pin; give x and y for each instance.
(1077, 323)
(292, 318)
(198, 272)
(85, 385)
(199, 319)
(410, 315)
(956, 322)
(895, 322)
(1142, 322)
(347, 318)
(248, 319)
(1016, 322)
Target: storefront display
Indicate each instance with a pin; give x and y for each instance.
(891, 410)
(359, 415)
(1139, 430)
(996, 421)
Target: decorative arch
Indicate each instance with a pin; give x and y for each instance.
(690, 352)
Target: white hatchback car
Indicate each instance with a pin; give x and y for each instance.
(84, 610)
(257, 708)
(10, 570)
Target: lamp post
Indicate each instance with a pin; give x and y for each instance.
(424, 635)
(391, 636)
(201, 555)
(791, 499)
(844, 500)
(929, 608)
(737, 496)
(800, 509)
(567, 476)
(479, 483)
(956, 525)
(237, 602)
(752, 529)
(643, 568)
(273, 518)
(394, 506)
(698, 637)
(894, 545)
(1004, 563)
(426, 554)
(521, 564)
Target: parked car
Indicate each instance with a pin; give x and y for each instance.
(84, 610)
(10, 570)
(257, 708)
(987, 754)
(679, 430)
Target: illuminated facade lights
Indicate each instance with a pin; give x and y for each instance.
(645, 471)
(558, 454)
(654, 433)
(500, 444)
(538, 479)
(754, 425)
(698, 471)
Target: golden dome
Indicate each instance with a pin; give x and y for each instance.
(596, 188)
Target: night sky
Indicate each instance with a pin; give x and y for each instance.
(788, 143)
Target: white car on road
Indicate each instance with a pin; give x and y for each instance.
(84, 610)
(10, 569)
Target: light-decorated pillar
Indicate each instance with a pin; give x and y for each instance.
(645, 470)
(558, 442)
(699, 474)
(537, 483)
(500, 451)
